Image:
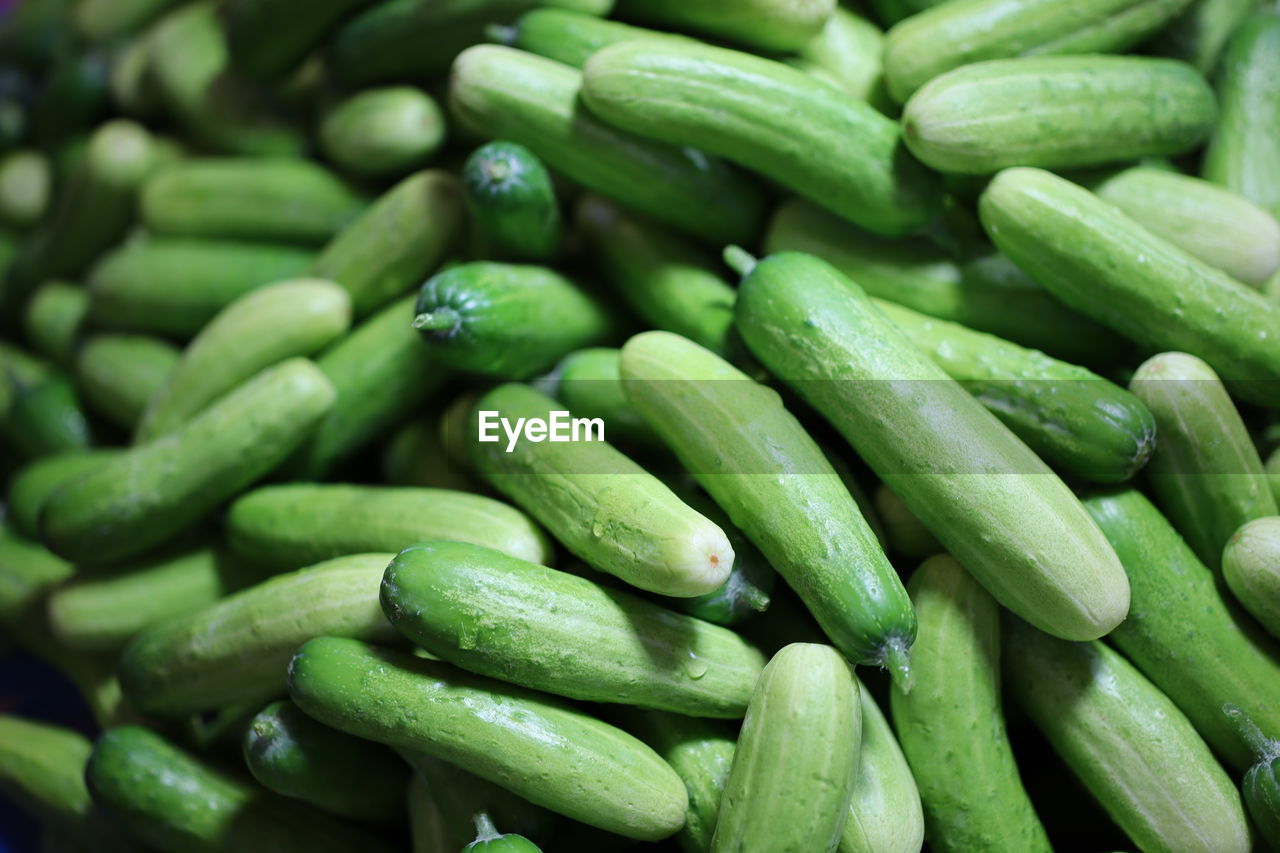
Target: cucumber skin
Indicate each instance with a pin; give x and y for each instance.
(792, 776)
(1134, 282)
(991, 115)
(848, 52)
(384, 132)
(951, 725)
(33, 485)
(781, 492)
(1251, 567)
(1130, 746)
(905, 533)
(118, 374)
(1184, 636)
(42, 769)
(512, 201)
(589, 384)
(1046, 561)
(443, 595)
(508, 843)
(885, 815)
(571, 37)
(46, 419)
(759, 113)
(1201, 32)
(771, 25)
(503, 93)
(266, 39)
(1262, 797)
(608, 779)
(53, 319)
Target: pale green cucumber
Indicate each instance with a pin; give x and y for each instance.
(1201, 32)
(118, 374)
(907, 535)
(380, 133)
(769, 25)
(885, 815)
(25, 188)
(33, 484)
(54, 316)
(570, 37)
(1251, 567)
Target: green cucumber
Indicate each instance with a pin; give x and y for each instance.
(1245, 148)
(499, 92)
(1205, 472)
(150, 493)
(53, 318)
(907, 535)
(951, 725)
(1074, 419)
(757, 462)
(770, 25)
(511, 321)
(758, 113)
(174, 286)
(266, 39)
(33, 485)
(1201, 32)
(382, 133)
(176, 803)
(293, 755)
(980, 118)
(287, 526)
(1196, 646)
(133, 86)
(396, 243)
(106, 20)
(25, 188)
(512, 202)
(488, 840)
(604, 508)
(19, 369)
(46, 418)
(443, 595)
(848, 52)
(885, 815)
(237, 650)
(990, 501)
(296, 317)
(1130, 746)
(571, 37)
(1262, 781)
(1251, 567)
(531, 744)
(793, 771)
(588, 382)
(950, 35)
(1131, 280)
(28, 572)
(118, 374)
(415, 456)
(279, 199)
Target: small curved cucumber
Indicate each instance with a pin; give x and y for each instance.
(46, 418)
(907, 535)
(588, 382)
(150, 493)
(237, 650)
(533, 745)
(266, 39)
(118, 374)
(53, 319)
(1262, 781)
(969, 784)
(792, 777)
(1130, 746)
(770, 25)
(984, 117)
(1201, 32)
(885, 815)
(571, 37)
(499, 92)
(512, 202)
(488, 840)
(606, 509)
(33, 485)
(757, 112)
(381, 133)
(1205, 472)
(296, 317)
(293, 755)
(512, 321)
(25, 188)
(1251, 566)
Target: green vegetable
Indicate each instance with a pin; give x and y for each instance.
(266, 39)
(1262, 781)
(118, 374)
(384, 132)
(53, 319)
(771, 25)
(571, 37)
(46, 418)
(32, 485)
(512, 202)
(1251, 567)
(489, 841)
(885, 814)
(588, 382)
(25, 183)
(907, 534)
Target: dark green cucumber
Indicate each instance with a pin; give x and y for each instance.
(990, 500)
(118, 374)
(769, 25)
(382, 133)
(53, 319)
(33, 485)
(266, 39)
(19, 369)
(1201, 32)
(28, 572)
(152, 492)
(907, 535)
(25, 182)
(503, 93)
(489, 840)
(46, 418)
(237, 650)
(1261, 786)
(532, 744)
(512, 202)
(589, 384)
(295, 756)
(571, 37)
(1251, 567)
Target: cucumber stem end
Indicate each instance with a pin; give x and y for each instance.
(739, 260)
(896, 657)
(443, 319)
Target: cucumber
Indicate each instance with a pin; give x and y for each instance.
(531, 744)
(987, 293)
(792, 776)
(668, 281)
(588, 382)
(1141, 286)
(604, 508)
(885, 815)
(1130, 746)
(488, 840)
(106, 20)
(848, 53)
(571, 37)
(295, 317)
(969, 783)
(990, 501)
(176, 803)
(133, 86)
(382, 133)
(150, 493)
(237, 650)
(498, 92)
(54, 316)
(1184, 636)
(25, 188)
(280, 199)
(511, 321)
(1262, 780)
(984, 117)
(32, 485)
(28, 572)
(46, 418)
(756, 112)
(118, 374)
(173, 286)
(1200, 33)
(266, 39)
(442, 595)
(293, 755)
(415, 456)
(770, 25)
(512, 202)
(1074, 419)
(907, 534)
(1251, 567)
(1245, 147)
(1205, 472)
(778, 488)
(390, 248)
(1219, 227)
(950, 35)
(287, 526)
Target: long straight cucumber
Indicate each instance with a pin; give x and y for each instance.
(571, 37)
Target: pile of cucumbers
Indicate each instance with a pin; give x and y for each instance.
(919, 369)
